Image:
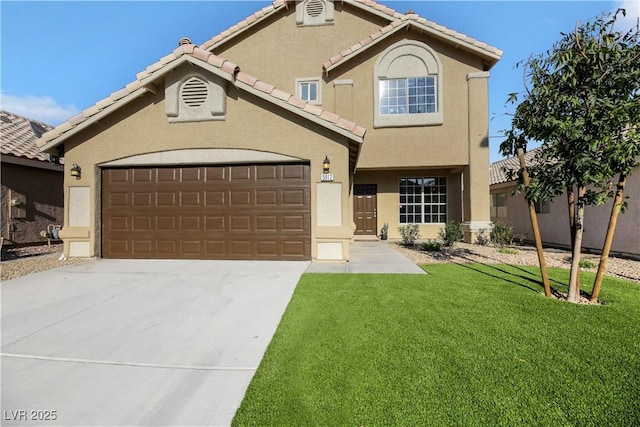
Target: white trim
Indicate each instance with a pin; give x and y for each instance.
(192, 156)
(317, 81)
(478, 75)
(433, 68)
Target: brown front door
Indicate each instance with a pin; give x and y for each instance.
(216, 212)
(365, 208)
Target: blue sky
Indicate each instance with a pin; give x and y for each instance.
(58, 58)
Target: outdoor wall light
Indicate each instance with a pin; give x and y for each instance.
(75, 171)
(326, 165)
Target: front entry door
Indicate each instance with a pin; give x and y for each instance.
(365, 209)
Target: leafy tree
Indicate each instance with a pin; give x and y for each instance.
(582, 102)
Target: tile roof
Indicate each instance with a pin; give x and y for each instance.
(397, 19)
(403, 22)
(215, 64)
(498, 174)
(19, 135)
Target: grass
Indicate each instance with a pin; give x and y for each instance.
(472, 345)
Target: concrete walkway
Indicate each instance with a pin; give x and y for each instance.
(138, 342)
(369, 257)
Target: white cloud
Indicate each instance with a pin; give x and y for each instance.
(632, 8)
(43, 108)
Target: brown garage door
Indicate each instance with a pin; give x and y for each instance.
(221, 212)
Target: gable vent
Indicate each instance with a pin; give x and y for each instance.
(314, 8)
(194, 92)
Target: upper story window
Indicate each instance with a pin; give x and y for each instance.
(309, 89)
(314, 12)
(408, 88)
(412, 95)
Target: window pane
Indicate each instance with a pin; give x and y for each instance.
(313, 92)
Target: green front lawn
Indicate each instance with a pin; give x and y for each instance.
(464, 345)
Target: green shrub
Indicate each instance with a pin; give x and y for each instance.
(586, 263)
(451, 233)
(504, 250)
(501, 234)
(482, 238)
(410, 233)
(432, 246)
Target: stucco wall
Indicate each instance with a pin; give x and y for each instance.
(554, 226)
(251, 124)
(388, 200)
(41, 190)
(280, 51)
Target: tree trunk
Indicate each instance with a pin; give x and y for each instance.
(574, 286)
(536, 228)
(571, 204)
(608, 240)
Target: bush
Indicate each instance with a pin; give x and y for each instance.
(410, 233)
(501, 234)
(451, 233)
(482, 238)
(586, 263)
(432, 246)
(511, 251)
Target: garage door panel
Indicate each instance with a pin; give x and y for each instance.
(216, 174)
(267, 173)
(142, 223)
(142, 175)
(294, 197)
(215, 198)
(266, 197)
(142, 247)
(215, 223)
(165, 175)
(192, 175)
(240, 197)
(221, 212)
(266, 223)
(240, 173)
(142, 199)
(240, 223)
(166, 198)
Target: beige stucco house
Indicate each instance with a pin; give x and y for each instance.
(218, 150)
(553, 216)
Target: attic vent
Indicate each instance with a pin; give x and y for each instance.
(314, 8)
(194, 92)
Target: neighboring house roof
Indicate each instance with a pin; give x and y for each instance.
(498, 174)
(19, 136)
(397, 21)
(145, 81)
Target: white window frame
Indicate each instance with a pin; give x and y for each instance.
(310, 80)
(402, 60)
(407, 206)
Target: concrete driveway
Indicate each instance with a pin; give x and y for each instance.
(124, 342)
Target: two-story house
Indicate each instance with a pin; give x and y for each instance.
(282, 137)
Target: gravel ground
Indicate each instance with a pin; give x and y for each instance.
(526, 255)
(19, 262)
(22, 261)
